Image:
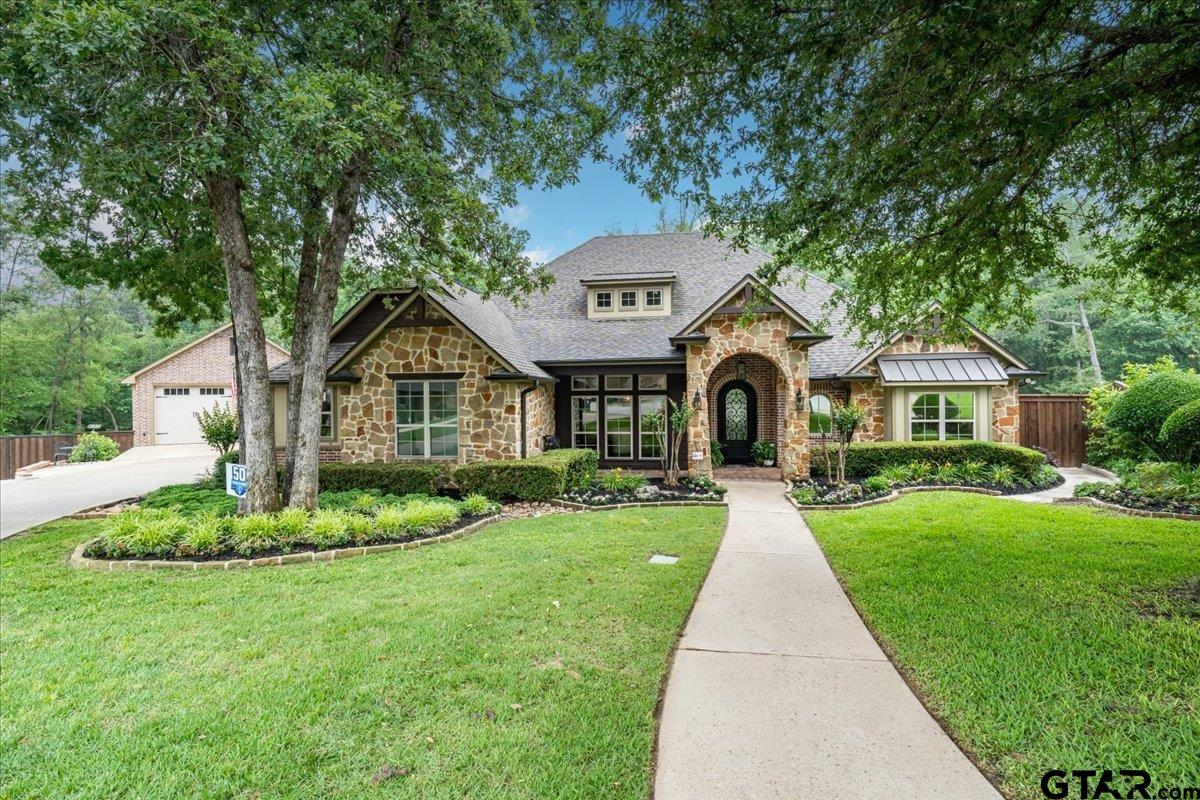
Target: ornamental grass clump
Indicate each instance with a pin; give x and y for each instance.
(251, 534)
(328, 528)
(1002, 475)
(389, 521)
(291, 522)
(478, 505)
(427, 516)
(143, 533)
(204, 536)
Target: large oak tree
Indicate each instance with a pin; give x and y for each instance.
(920, 150)
(159, 140)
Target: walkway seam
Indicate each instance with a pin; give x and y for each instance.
(785, 655)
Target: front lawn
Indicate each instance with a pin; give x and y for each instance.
(1044, 637)
(523, 661)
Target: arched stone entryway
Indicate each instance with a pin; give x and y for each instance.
(749, 384)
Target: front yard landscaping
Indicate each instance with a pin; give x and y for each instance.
(1044, 637)
(522, 662)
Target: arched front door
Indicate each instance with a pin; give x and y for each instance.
(737, 421)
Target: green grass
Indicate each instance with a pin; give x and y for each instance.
(521, 662)
(1045, 637)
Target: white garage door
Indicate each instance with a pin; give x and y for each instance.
(175, 409)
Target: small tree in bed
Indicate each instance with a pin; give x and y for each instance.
(846, 418)
(219, 427)
(669, 437)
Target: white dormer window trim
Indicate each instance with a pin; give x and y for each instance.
(652, 304)
(629, 299)
(603, 300)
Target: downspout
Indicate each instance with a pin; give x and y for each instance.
(524, 419)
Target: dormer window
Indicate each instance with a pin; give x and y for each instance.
(603, 301)
(622, 295)
(653, 299)
(629, 300)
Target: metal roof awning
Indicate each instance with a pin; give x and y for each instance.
(643, 276)
(941, 368)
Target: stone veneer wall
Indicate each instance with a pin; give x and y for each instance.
(767, 337)
(209, 363)
(1006, 419)
(539, 410)
(489, 422)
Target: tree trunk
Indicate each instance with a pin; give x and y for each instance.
(304, 488)
(1091, 344)
(301, 320)
(112, 418)
(254, 390)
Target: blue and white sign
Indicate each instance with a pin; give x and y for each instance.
(235, 480)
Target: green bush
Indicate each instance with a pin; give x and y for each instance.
(396, 479)
(876, 483)
(539, 477)
(973, 471)
(389, 521)
(218, 427)
(216, 478)
(1180, 433)
(329, 529)
(204, 536)
(93, 447)
(252, 533)
(947, 474)
(581, 465)
(291, 522)
(870, 458)
(618, 480)
(1001, 475)
(896, 473)
(477, 505)
(1143, 408)
(143, 533)
(191, 500)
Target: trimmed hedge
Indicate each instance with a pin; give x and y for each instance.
(397, 479)
(539, 477)
(869, 458)
(1181, 432)
(1143, 408)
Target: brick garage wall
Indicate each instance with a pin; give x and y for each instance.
(208, 363)
(488, 411)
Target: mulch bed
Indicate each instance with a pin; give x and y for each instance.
(843, 496)
(1125, 498)
(229, 555)
(597, 495)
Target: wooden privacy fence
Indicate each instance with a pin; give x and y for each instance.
(21, 451)
(1054, 422)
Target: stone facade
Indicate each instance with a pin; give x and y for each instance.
(539, 410)
(1006, 413)
(206, 362)
(489, 421)
(766, 336)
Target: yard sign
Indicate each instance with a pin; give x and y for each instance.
(235, 479)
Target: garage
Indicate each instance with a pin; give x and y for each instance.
(176, 407)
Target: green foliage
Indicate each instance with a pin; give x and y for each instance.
(620, 481)
(204, 536)
(216, 478)
(394, 479)
(885, 203)
(291, 522)
(219, 426)
(1143, 408)
(896, 473)
(93, 446)
(390, 521)
(1002, 475)
(142, 533)
(870, 458)
(328, 529)
(947, 474)
(718, 453)
(707, 485)
(973, 471)
(539, 477)
(919, 471)
(191, 500)
(251, 534)
(805, 495)
(477, 505)
(425, 516)
(1164, 479)
(1180, 433)
(763, 451)
(876, 483)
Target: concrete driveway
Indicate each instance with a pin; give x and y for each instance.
(55, 492)
(778, 691)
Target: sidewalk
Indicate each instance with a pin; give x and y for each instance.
(1071, 476)
(779, 691)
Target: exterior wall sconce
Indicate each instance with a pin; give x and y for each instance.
(696, 399)
(741, 369)
(799, 400)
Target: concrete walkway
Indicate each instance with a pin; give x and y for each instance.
(1071, 476)
(779, 691)
(55, 492)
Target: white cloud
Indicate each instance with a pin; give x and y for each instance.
(515, 215)
(538, 255)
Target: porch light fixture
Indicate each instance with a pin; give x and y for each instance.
(741, 369)
(696, 399)
(799, 400)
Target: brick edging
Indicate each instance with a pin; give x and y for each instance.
(895, 494)
(78, 559)
(1133, 512)
(573, 506)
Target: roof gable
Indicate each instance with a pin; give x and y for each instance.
(726, 304)
(129, 379)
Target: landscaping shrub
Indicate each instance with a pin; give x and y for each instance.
(425, 516)
(203, 537)
(389, 521)
(216, 478)
(143, 533)
(876, 483)
(395, 479)
(218, 427)
(581, 465)
(974, 471)
(540, 477)
(191, 500)
(1144, 407)
(946, 474)
(1001, 475)
(1180, 433)
(1132, 497)
(870, 458)
(291, 522)
(93, 446)
(618, 480)
(328, 529)
(477, 505)
(896, 473)
(250, 534)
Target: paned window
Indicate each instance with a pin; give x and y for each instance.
(941, 416)
(585, 422)
(426, 419)
(618, 426)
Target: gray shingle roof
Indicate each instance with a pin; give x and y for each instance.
(553, 326)
(282, 373)
(486, 320)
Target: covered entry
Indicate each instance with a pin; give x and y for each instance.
(737, 421)
(744, 406)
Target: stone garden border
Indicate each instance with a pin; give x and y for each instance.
(78, 559)
(1133, 512)
(573, 506)
(895, 494)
